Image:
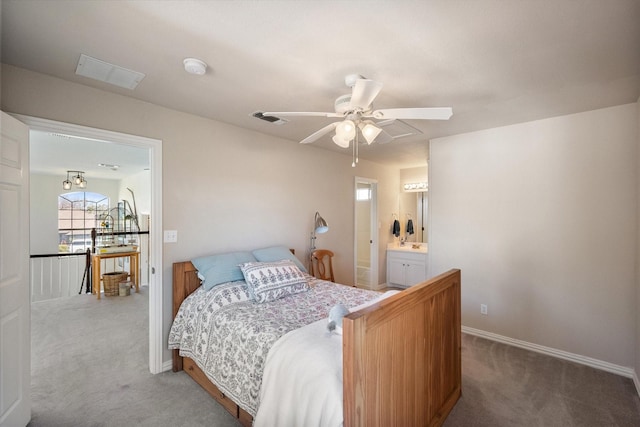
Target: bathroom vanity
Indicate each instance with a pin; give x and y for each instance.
(406, 265)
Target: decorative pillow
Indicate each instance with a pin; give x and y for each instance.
(216, 269)
(277, 253)
(269, 281)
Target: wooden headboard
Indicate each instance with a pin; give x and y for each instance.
(185, 282)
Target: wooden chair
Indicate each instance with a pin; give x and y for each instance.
(320, 265)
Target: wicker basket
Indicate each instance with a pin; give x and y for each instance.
(111, 282)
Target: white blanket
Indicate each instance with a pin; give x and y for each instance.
(302, 380)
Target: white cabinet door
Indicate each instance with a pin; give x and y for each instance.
(396, 271)
(15, 310)
(415, 273)
(406, 268)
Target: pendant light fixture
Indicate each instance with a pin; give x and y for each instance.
(77, 179)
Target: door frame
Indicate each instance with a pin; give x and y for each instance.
(155, 229)
(373, 232)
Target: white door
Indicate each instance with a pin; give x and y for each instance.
(15, 310)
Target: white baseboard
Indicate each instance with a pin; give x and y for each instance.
(588, 361)
(167, 365)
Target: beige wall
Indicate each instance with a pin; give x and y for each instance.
(140, 183)
(224, 188)
(637, 361)
(541, 218)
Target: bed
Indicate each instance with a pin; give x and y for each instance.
(391, 374)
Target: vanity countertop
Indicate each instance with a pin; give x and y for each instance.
(408, 247)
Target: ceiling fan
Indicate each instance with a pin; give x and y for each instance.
(359, 117)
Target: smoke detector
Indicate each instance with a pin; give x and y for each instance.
(195, 66)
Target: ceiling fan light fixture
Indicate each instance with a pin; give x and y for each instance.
(340, 142)
(346, 130)
(369, 131)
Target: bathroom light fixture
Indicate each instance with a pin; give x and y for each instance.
(77, 179)
(195, 66)
(319, 226)
(415, 186)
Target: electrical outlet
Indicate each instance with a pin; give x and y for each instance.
(170, 236)
(483, 309)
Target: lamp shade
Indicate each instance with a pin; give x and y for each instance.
(320, 225)
(346, 130)
(370, 132)
(340, 142)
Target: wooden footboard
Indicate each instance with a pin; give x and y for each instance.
(402, 362)
(402, 357)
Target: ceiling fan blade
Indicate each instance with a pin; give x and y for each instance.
(383, 138)
(440, 113)
(301, 114)
(319, 133)
(364, 92)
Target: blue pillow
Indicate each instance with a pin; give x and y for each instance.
(277, 253)
(216, 269)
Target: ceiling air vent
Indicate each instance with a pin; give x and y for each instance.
(271, 119)
(398, 128)
(108, 73)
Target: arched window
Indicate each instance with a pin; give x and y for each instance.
(78, 213)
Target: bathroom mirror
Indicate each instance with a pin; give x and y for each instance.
(413, 204)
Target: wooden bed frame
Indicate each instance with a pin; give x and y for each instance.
(401, 356)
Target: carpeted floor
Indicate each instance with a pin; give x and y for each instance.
(504, 385)
(90, 369)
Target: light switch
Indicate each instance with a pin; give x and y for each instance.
(170, 236)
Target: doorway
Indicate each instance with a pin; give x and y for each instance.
(366, 233)
(422, 209)
(154, 148)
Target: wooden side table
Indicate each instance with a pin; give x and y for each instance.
(96, 279)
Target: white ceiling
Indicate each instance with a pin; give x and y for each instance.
(51, 153)
(496, 62)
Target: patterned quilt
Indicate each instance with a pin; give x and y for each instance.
(229, 335)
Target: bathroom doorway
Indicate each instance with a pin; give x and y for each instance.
(366, 233)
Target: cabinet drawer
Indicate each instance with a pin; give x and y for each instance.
(193, 370)
(408, 256)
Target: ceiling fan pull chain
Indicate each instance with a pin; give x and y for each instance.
(353, 161)
(355, 151)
